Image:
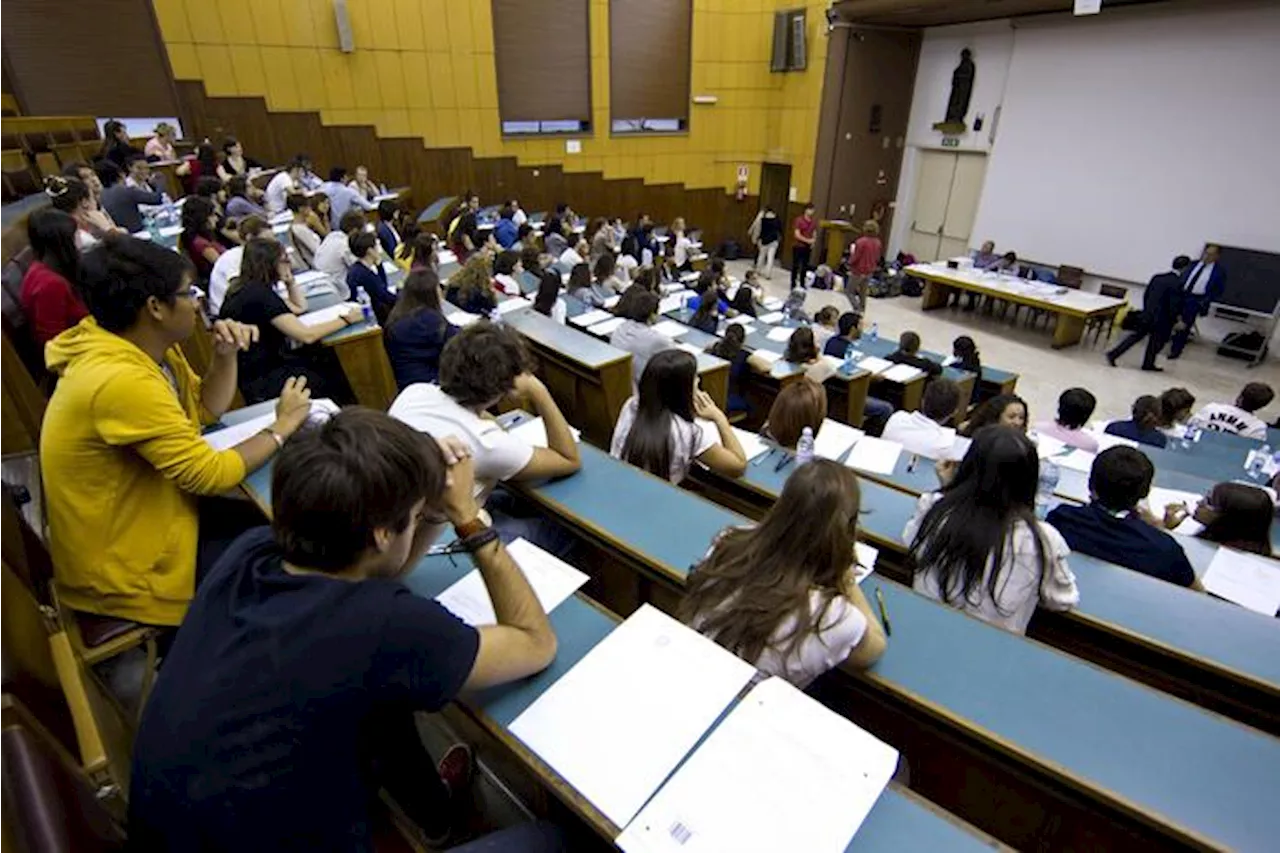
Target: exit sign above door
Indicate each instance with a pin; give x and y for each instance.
(950, 142)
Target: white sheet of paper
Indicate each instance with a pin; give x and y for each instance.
(1076, 460)
(902, 373)
(1073, 484)
(781, 772)
(836, 363)
(866, 556)
(773, 303)
(1158, 499)
(324, 315)
(781, 334)
(612, 301)
(874, 364)
(462, 319)
(445, 256)
(660, 682)
(752, 444)
(670, 303)
(834, 438)
(552, 579)
(768, 356)
(743, 320)
(590, 318)
(1047, 445)
(959, 447)
(875, 455)
(515, 303)
(771, 317)
(607, 327)
(1106, 441)
(690, 348)
(1247, 579)
(949, 360)
(230, 436)
(671, 329)
(534, 432)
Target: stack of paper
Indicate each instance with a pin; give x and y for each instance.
(1106, 441)
(534, 432)
(612, 301)
(690, 348)
(515, 303)
(462, 319)
(590, 318)
(230, 436)
(875, 455)
(752, 444)
(324, 315)
(1248, 580)
(902, 373)
(866, 557)
(607, 327)
(773, 303)
(671, 303)
(1158, 499)
(767, 356)
(958, 449)
(781, 772)
(673, 287)
(552, 579)
(874, 365)
(772, 317)
(617, 723)
(671, 328)
(781, 334)
(834, 438)
(1047, 445)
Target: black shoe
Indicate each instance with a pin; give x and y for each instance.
(1152, 368)
(1173, 357)
(1111, 359)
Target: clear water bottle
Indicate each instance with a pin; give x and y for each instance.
(874, 334)
(1257, 461)
(847, 367)
(366, 305)
(153, 228)
(1050, 473)
(804, 447)
(171, 215)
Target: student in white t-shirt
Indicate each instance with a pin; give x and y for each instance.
(1240, 418)
(782, 595)
(227, 268)
(924, 432)
(672, 422)
(480, 366)
(334, 257)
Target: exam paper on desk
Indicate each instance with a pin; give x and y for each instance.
(1246, 579)
(552, 580)
(590, 318)
(781, 334)
(874, 454)
(671, 329)
(324, 315)
(771, 317)
(834, 438)
(228, 437)
(752, 444)
(902, 373)
(534, 432)
(606, 327)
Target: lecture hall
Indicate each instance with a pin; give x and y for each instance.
(743, 426)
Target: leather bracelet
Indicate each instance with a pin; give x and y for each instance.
(275, 435)
(470, 528)
(476, 541)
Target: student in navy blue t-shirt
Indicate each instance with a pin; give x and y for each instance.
(1111, 526)
(1144, 426)
(288, 696)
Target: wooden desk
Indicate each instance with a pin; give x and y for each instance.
(432, 213)
(363, 357)
(1072, 308)
(836, 236)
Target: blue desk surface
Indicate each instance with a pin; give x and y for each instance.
(436, 209)
(882, 347)
(577, 345)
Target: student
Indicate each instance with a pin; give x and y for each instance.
(286, 182)
(363, 185)
(648, 278)
(601, 240)
(682, 246)
(966, 355)
(267, 368)
(824, 325)
(1144, 426)
(506, 231)
(977, 543)
(126, 473)
(656, 429)
(1075, 407)
(1236, 515)
(463, 233)
(802, 352)
(848, 330)
(333, 257)
(574, 255)
(1175, 411)
(781, 594)
(480, 366)
(212, 189)
(864, 259)
(804, 233)
(636, 334)
(518, 216)
(137, 174)
(1240, 418)
(986, 257)
(420, 252)
(342, 198)
(234, 164)
(582, 288)
(548, 301)
(160, 145)
(95, 220)
(289, 694)
(471, 288)
(367, 274)
(121, 200)
(243, 198)
(924, 432)
(204, 164)
(389, 225)
(554, 238)
(305, 240)
(198, 238)
(227, 268)
(767, 237)
(1004, 409)
(706, 317)
(628, 259)
(561, 222)
(730, 349)
(1110, 527)
(116, 145)
(604, 271)
(749, 299)
(506, 268)
(49, 299)
(824, 279)
(908, 352)
(798, 405)
(416, 330)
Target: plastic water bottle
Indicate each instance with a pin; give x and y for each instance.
(171, 215)
(847, 367)
(874, 334)
(366, 305)
(1050, 473)
(153, 228)
(804, 447)
(1257, 461)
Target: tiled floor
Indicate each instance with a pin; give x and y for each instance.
(1044, 372)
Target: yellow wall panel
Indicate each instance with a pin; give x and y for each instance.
(335, 69)
(448, 130)
(391, 79)
(308, 73)
(267, 20)
(486, 81)
(408, 16)
(458, 28)
(215, 69)
(204, 23)
(360, 13)
(417, 84)
(183, 60)
(434, 33)
(251, 77)
(423, 123)
(382, 23)
(172, 17)
(364, 77)
(441, 80)
(481, 26)
(282, 89)
(464, 81)
(302, 29)
(394, 122)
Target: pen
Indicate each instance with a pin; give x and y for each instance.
(911, 463)
(764, 456)
(884, 614)
(786, 460)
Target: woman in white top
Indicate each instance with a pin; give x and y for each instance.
(305, 239)
(783, 595)
(978, 545)
(506, 269)
(548, 301)
(682, 246)
(657, 431)
(802, 351)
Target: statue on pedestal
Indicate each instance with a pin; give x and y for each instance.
(961, 93)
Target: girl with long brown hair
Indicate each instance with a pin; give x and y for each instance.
(782, 595)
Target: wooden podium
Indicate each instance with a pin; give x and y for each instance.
(837, 235)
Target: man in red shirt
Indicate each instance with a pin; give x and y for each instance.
(864, 257)
(805, 232)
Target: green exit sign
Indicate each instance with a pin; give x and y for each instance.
(950, 142)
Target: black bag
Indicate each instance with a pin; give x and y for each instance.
(730, 250)
(1134, 321)
(912, 286)
(1245, 346)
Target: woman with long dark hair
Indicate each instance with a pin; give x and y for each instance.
(730, 349)
(802, 352)
(1236, 515)
(977, 543)
(199, 237)
(49, 299)
(657, 431)
(1002, 410)
(706, 317)
(548, 301)
(417, 330)
(582, 288)
(782, 595)
(1175, 410)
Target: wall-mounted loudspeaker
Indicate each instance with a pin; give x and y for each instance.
(346, 42)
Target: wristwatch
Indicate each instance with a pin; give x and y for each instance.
(470, 528)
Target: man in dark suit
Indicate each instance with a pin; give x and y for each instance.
(1202, 284)
(1160, 311)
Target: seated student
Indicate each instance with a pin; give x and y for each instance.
(227, 268)
(977, 543)
(656, 429)
(471, 288)
(601, 240)
(333, 257)
(95, 220)
(286, 182)
(266, 368)
(321, 210)
(636, 334)
(212, 189)
(802, 352)
(966, 355)
(628, 259)
(925, 432)
(419, 252)
(823, 278)
(367, 274)
(547, 301)
(798, 405)
(506, 230)
(342, 198)
(1238, 418)
(416, 330)
(116, 145)
(584, 289)
(389, 225)
(289, 695)
(480, 366)
(1004, 409)
(204, 164)
(243, 198)
(49, 299)
(555, 239)
(532, 261)
(848, 330)
(682, 246)
(525, 238)
(363, 184)
(463, 233)
(121, 201)
(730, 349)
(1143, 426)
(160, 145)
(781, 594)
(305, 240)
(648, 278)
(506, 269)
(1111, 528)
(908, 352)
(604, 272)
(574, 255)
(1075, 407)
(1175, 411)
(234, 164)
(126, 472)
(1236, 515)
(824, 326)
(706, 316)
(561, 222)
(198, 238)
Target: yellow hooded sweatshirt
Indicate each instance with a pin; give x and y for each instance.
(123, 460)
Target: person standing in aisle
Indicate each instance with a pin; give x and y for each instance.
(805, 233)
(1202, 285)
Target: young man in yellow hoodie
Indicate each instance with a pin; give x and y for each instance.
(123, 460)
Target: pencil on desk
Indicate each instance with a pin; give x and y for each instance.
(884, 614)
(786, 460)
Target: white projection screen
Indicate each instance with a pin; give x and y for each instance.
(1127, 139)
